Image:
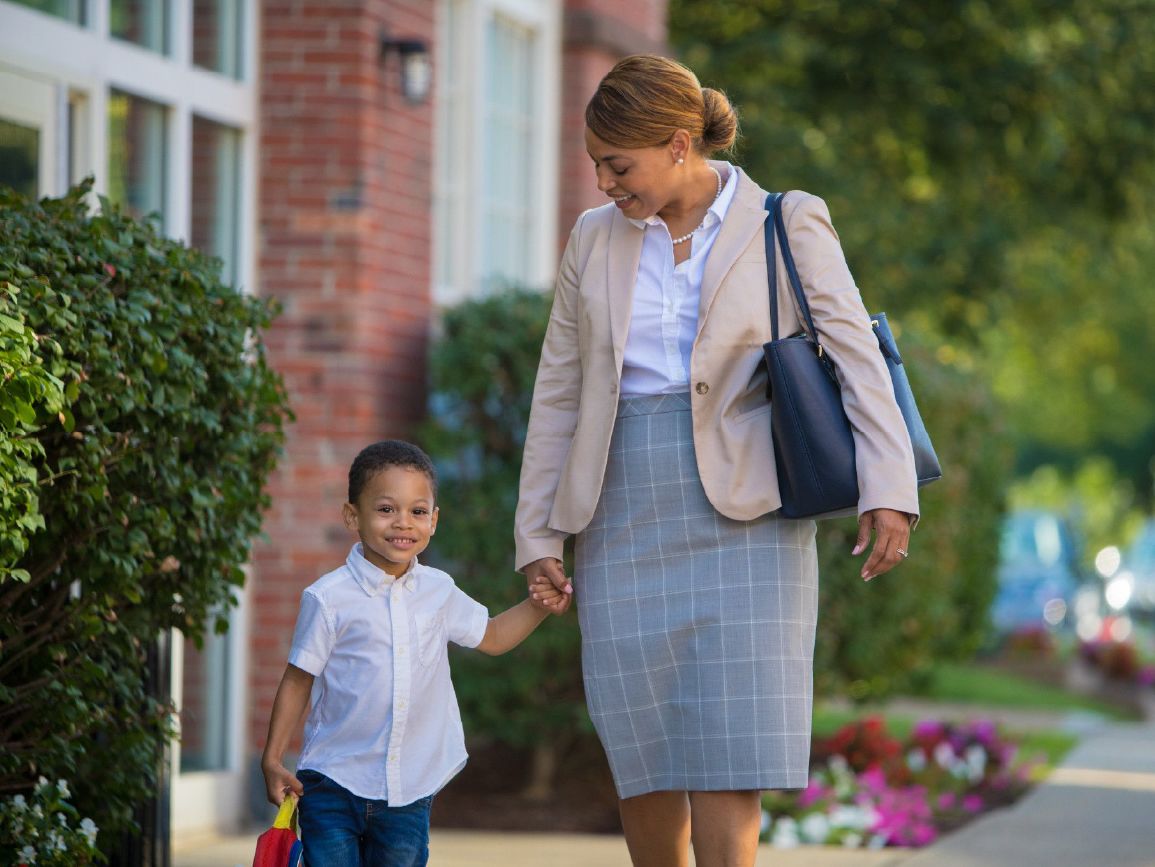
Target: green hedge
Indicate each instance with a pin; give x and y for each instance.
(150, 473)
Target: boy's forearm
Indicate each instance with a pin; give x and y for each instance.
(288, 708)
(511, 627)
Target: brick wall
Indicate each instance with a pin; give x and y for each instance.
(345, 246)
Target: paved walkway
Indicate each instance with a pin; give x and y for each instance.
(1096, 810)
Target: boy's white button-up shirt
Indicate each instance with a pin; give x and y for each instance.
(664, 315)
(384, 721)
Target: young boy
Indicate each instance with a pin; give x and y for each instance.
(384, 732)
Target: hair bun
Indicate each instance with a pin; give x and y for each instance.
(719, 121)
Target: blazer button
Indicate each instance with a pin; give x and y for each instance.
(701, 388)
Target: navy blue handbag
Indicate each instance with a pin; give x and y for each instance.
(813, 442)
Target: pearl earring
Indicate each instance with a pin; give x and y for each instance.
(680, 160)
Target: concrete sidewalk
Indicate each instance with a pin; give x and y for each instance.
(1096, 810)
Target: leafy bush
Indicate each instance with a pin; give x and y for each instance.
(150, 486)
(40, 832)
(482, 367)
(29, 390)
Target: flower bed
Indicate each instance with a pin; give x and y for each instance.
(869, 789)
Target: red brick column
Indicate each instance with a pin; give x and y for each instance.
(345, 246)
(595, 35)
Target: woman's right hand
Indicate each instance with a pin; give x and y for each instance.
(548, 569)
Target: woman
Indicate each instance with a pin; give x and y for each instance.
(649, 438)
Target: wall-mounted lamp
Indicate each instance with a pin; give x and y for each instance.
(416, 67)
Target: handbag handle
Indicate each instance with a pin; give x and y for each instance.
(774, 206)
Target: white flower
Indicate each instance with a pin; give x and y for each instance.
(878, 841)
(62, 820)
(88, 829)
(976, 759)
(37, 811)
(785, 834)
(852, 817)
(815, 828)
(764, 825)
(838, 764)
(19, 805)
(28, 855)
(944, 755)
(916, 760)
(62, 788)
(852, 841)
(42, 783)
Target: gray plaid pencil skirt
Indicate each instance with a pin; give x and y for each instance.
(697, 630)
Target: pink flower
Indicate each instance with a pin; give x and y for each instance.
(947, 801)
(1146, 676)
(813, 792)
(972, 803)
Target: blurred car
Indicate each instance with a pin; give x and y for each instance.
(1039, 580)
(1139, 562)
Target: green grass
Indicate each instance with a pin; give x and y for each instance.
(973, 684)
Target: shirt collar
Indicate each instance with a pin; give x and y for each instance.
(376, 581)
(718, 207)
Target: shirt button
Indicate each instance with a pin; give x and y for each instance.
(701, 388)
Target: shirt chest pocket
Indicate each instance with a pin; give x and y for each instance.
(430, 637)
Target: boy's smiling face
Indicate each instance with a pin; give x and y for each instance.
(394, 516)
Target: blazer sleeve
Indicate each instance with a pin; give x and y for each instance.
(883, 453)
(553, 417)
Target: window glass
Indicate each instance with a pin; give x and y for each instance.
(508, 141)
(69, 10)
(20, 158)
(216, 42)
(142, 22)
(204, 712)
(215, 192)
(136, 153)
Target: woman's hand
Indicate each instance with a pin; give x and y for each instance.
(891, 540)
(549, 570)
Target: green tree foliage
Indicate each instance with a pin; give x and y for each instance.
(991, 164)
(150, 485)
(483, 367)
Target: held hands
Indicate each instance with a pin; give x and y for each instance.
(891, 540)
(279, 782)
(549, 588)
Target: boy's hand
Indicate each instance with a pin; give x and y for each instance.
(546, 597)
(278, 782)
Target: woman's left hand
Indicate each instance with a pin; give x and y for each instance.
(891, 540)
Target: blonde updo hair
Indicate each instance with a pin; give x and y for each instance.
(646, 98)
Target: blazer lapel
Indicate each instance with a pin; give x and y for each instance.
(622, 260)
(744, 220)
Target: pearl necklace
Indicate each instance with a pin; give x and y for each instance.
(701, 225)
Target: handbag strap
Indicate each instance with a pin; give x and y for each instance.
(774, 206)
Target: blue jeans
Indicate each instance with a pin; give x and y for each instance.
(339, 829)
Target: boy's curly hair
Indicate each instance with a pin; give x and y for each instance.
(383, 455)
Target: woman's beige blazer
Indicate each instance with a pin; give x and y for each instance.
(575, 398)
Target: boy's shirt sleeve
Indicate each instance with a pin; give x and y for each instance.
(313, 637)
(465, 619)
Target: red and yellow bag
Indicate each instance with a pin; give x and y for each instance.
(279, 846)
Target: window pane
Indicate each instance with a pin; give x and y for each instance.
(20, 158)
(136, 153)
(217, 35)
(508, 229)
(69, 10)
(204, 711)
(216, 161)
(143, 22)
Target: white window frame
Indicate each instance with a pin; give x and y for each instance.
(458, 202)
(83, 64)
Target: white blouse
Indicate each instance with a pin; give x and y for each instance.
(664, 318)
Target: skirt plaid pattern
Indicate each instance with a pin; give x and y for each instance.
(697, 630)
